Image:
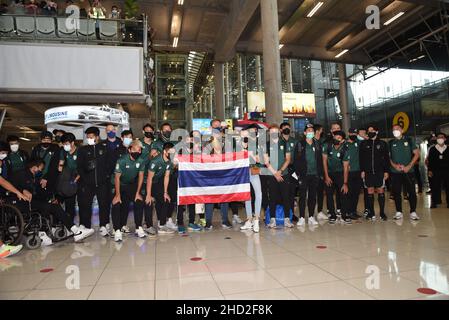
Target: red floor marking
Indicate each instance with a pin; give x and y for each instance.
(321, 247)
(196, 259)
(427, 291)
(47, 270)
(185, 235)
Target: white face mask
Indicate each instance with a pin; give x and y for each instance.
(441, 141)
(397, 133)
(3, 156)
(67, 147)
(127, 142)
(90, 142)
(14, 147)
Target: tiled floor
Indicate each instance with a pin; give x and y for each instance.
(381, 260)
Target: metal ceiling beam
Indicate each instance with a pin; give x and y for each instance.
(306, 52)
(70, 98)
(232, 28)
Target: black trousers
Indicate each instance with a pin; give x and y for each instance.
(308, 193)
(407, 180)
(335, 189)
(181, 209)
(120, 211)
(354, 185)
(173, 193)
(320, 195)
(279, 192)
(162, 207)
(86, 195)
(440, 178)
(234, 208)
(46, 209)
(265, 194)
(293, 192)
(145, 210)
(70, 206)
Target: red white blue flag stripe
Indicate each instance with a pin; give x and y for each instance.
(213, 178)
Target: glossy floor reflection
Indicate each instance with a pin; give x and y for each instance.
(380, 260)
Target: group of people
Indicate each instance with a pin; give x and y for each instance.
(48, 7)
(143, 172)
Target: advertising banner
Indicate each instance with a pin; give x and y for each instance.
(294, 105)
(88, 114)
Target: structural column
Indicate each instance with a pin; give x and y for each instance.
(258, 74)
(271, 61)
(240, 84)
(344, 97)
(219, 91)
(288, 74)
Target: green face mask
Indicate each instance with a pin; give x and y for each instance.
(310, 135)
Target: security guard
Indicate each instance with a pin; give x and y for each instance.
(308, 166)
(277, 157)
(157, 184)
(125, 183)
(291, 142)
(17, 158)
(333, 155)
(404, 153)
(352, 179)
(67, 161)
(49, 153)
(93, 168)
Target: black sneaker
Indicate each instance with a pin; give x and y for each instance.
(433, 206)
(370, 216)
(354, 216)
(348, 221)
(383, 217)
(332, 219)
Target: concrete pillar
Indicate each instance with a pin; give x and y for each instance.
(271, 61)
(344, 97)
(288, 74)
(240, 84)
(258, 74)
(227, 88)
(219, 91)
(211, 101)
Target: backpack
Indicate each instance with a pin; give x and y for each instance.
(66, 185)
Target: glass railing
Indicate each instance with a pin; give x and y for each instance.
(66, 29)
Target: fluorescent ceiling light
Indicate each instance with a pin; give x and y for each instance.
(315, 9)
(175, 42)
(180, 2)
(24, 139)
(341, 53)
(400, 14)
(281, 46)
(416, 59)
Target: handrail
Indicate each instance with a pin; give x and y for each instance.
(68, 16)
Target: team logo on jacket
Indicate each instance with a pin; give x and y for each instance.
(137, 165)
(127, 166)
(74, 157)
(117, 166)
(406, 144)
(378, 147)
(100, 152)
(152, 166)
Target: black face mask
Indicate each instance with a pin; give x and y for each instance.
(286, 131)
(245, 139)
(45, 145)
(135, 155)
(336, 142)
(149, 135)
(352, 137)
(166, 134)
(58, 139)
(372, 135)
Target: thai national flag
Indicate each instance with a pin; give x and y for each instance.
(213, 178)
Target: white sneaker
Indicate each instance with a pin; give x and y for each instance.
(125, 229)
(414, 216)
(301, 222)
(247, 226)
(256, 226)
(165, 230)
(109, 228)
(118, 236)
(140, 233)
(46, 240)
(236, 219)
(287, 223)
(104, 232)
(272, 223)
(82, 227)
(398, 216)
(81, 233)
(322, 216)
(312, 221)
(171, 225)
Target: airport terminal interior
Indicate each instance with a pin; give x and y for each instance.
(381, 65)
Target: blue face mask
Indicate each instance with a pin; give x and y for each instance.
(111, 134)
(310, 135)
(38, 174)
(127, 142)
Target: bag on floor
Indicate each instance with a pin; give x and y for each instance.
(279, 215)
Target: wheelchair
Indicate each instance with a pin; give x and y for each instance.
(18, 226)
